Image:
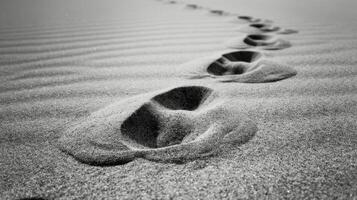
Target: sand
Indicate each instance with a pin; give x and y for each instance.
(246, 99)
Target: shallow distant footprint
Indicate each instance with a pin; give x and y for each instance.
(218, 12)
(239, 66)
(253, 19)
(262, 41)
(170, 125)
(193, 6)
(267, 28)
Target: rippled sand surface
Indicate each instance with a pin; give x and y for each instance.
(289, 101)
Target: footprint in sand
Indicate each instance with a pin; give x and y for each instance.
(252, 19)
(288, 31)
(239, 66)
(218, 12)
(172, 125)
(267, 28)
(193, 6)
(261, 41)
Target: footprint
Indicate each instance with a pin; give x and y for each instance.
(240, 66)
(253, 20)
(263, 41)
(266, 28)
(218, 12)
(193, 6)
(171, 125)
(249, 18)
(288, 31)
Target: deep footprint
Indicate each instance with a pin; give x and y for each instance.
(172, 125)
(240, 66)
(262, 41)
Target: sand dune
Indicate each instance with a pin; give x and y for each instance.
(157, 100)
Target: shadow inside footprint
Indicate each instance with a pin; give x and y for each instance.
(170, 126)
(242, 66)
(245, 17)
(145, 127)
(184, 98)
(263, 41)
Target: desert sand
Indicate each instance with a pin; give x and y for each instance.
(191, 99)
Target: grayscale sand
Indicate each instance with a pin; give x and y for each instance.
(191, 99)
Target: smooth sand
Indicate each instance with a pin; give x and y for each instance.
(58, 70)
